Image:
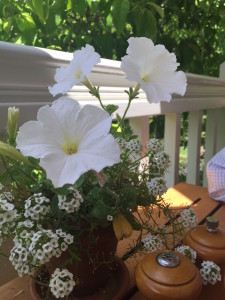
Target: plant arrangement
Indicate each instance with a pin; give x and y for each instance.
(77, 169)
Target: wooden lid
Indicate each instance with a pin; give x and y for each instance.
(215, 240)
(181, 274)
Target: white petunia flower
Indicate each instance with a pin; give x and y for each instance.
(69, 140)
(80, 66)
(154, 69)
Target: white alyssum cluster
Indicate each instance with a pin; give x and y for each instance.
(188, 218)
(70, 204)
(160, 161)
(61, 283)
(36, 248)
(1, 186)
(154, 145)
(8, 214)
(188, 252)
(157, 186)
(36, 206)
(210, 272)
(152, 243)
(133, 148)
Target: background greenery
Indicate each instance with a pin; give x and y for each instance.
(193, 29)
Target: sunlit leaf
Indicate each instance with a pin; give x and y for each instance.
(120, 10)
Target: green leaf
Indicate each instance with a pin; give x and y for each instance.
(25, 22)
(120, 10)
(130, 218)
(5, 179)
(146, 25)
(111, 108)
(41, 8)
(69, 5)
(54, 204)
(157, 8)
(99, 211)
(80, 181)
(128, 198)
(81, 7)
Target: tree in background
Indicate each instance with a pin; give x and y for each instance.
(193, 29)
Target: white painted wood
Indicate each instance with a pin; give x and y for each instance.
(194, 143)
(210, 139)
(140, 127)
(220, 141)
(172, 146)
(26, 72)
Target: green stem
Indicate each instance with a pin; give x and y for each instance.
(93, 90)
(132, 95)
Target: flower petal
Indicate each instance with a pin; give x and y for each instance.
(80, 66)
(154, 68)
(92, 121)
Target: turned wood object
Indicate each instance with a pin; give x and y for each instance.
(157, 279)
(209, 243)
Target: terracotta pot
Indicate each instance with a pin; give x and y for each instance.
(96, 265)
(114, 289)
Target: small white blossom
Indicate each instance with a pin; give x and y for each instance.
(157, 186)
(188, 252)
(109, 218)
(61, 283)
(36, 206)
(210, 272)
(70, 205)
(188, 218)
(1, 186)
(154, 145)
(152, 243)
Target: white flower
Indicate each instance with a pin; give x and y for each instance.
(1, 186)
(152, 243)
(80, 66)
(157, 186)
(154, 69)
(188, 252)
(188, 218)
(69, 140)
(109, 218)
(61, 283)
(210, 272)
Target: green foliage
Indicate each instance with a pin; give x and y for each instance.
(194, 30)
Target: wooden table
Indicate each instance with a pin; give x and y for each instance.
(179, 197)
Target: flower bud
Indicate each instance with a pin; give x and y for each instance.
(13, 115)
(12, 153)
(122, 227)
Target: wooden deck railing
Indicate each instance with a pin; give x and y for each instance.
(26, 72)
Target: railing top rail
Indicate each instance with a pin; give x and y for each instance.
(26, 72)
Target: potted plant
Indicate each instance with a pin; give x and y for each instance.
(74, 179)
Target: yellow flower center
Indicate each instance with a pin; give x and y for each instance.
(145, 77)
(78, 74)
(70, 148)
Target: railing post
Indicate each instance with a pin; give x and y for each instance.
(210, 139)
(220, 143)
(172, 146)
(140, 126)
(194, 143)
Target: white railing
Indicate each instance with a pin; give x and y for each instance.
(26, 72)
